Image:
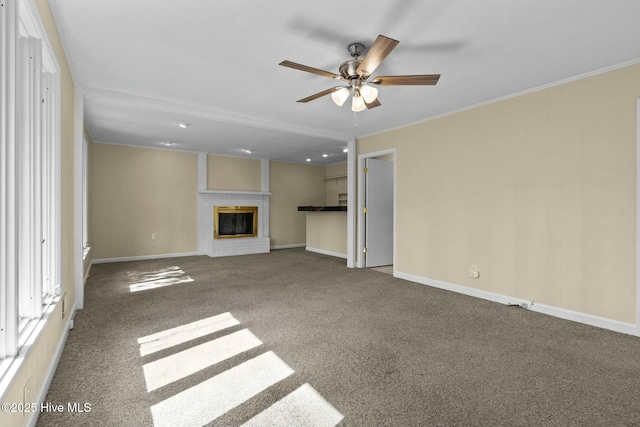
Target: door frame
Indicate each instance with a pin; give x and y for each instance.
(638, 217)
(361, 203)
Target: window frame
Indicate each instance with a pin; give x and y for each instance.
(30, 201)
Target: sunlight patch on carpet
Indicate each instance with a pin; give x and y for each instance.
(142, 281)
(181, 334)
(303, 407)
(203, 403)
(214, 397)
(180, 365)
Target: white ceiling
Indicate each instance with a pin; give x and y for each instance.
(145, 65)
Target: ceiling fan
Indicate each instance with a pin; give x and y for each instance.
(356, 74)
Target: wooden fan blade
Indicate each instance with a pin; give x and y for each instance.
(301, 67)
(373, 104)
(319, 94)
(420, 79)
(377, 53)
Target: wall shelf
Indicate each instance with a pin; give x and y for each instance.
(336, 177)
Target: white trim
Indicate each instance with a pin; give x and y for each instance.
(361, 201)
(202, 171)
(265, 175)
(359, 214)
(78, 177)
(143, 257)
(31, 23)
(638, 216)
(588, 319)
(266, 221)
(352, 248)
(295, 245)
(8, 184)
(325, 252)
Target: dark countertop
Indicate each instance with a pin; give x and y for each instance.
(322, 208)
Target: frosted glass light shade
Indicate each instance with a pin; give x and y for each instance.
(358, 103)
(369, 93)
(340, 96)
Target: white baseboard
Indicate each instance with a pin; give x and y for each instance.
(588, 319)
(143, 257)
(324, 252)
(296, 245)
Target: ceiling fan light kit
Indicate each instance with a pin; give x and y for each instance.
(355, 73)
(357, 103)
(340, 96)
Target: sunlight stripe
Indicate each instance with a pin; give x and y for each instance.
(180, 365)
(303, 407)
(181, 334)
(212, 398)
(157, 279)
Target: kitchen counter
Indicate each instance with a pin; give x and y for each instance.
(326, 229)
(322, 208)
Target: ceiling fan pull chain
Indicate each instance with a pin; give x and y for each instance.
(355, 119)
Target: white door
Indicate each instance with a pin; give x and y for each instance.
(379, 215)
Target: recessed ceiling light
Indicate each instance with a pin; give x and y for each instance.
(308, 160)
(246, 151)
(325, 155)
(345, 150)
(183, 125)
(167, 143)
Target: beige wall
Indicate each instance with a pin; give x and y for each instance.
(327, 231)
(130, 183)
(537, 190)
(138, 192)
(233, 173)
(293, 185)
(36, 363)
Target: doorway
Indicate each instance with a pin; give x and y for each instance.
(376, 213)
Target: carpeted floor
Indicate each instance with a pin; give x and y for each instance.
(378, 350)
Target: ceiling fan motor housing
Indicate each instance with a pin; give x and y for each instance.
(348, 69)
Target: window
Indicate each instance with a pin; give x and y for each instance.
(30, 174)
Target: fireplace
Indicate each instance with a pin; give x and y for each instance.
(209, 241)
(230, 222)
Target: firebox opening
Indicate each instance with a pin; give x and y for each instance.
(235, 221)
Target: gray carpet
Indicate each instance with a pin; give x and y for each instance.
(380, 350)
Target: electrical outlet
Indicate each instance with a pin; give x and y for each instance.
(473, 271)
(154, 236)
